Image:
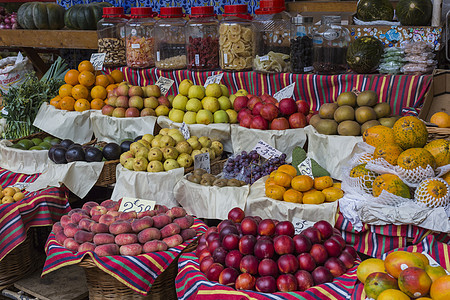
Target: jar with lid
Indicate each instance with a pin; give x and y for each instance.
(301, 44)
(140, 42)
(236, 44)
(272, 36)
(111, 36)
(202, 39)
(170, 39)
(330, 44)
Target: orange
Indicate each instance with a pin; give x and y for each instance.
(441, 119)
(293, 196)
(65, 90)
(282, 179)
(323, 182)
(302, 183)
(111, 87)
(440, 289)
(111, 80)
(86, 78)
(272, 174)
(99, 92)
(82, 105)
(275, 191)
(85, 65)
(117, 76)
(102, 80)
(71, 77)
(332, 194)
(67, 103)
(80, 92)
(337, 184)
(316, 197)
(97, 103)
(269, 181)
(55, 102)
(288, 169)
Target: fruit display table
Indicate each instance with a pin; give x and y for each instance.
(402, 91)
(41, 208)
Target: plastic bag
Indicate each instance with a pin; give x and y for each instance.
(13, 71)
(412, 68)
(417, 47)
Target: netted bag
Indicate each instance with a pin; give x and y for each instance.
(441, 171)
(358, 180)
(387, 198)
(413, 177)
(380, 166)
(433, 192)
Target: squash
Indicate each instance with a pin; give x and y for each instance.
(39, 15)
(364, 54)
(392, 184)
(410, 132)
(377, 135)
(389, 152)
(84, 16)
(414, 158)
(432, 192)
(440, 149)
(373, 10)
(414, 12)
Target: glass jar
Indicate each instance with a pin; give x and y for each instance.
(236, 44)
(272, 37)
(140, 43)
(111, 36)
(170, 39)
(330, 43)
(301, 44)
(202, 39)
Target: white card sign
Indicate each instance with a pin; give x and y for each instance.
(97, 60)
(213, 79)
(202, 161)
(266, 151)
(134, 204)
(164, 84)
(301, 225)
(184, 129)
(305, 167)
(4, 111)
(287, 92)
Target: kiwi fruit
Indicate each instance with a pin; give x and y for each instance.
(346, 98)
(220, 182)
(369, 124)
(343, 113)
(326, 126)
(349, 128)
(364, 114)
(367, 98)
(382, 110)
(233, 182)
(199, 172)
(206, 182)
(326, 110)
(314, 119)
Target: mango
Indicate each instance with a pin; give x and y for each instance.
(414, 282)
(397, 261)
(378, 282)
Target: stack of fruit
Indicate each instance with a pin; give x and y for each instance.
(128, 101)
(84, 90)
(196, 105)
(106, 231)
(166, 151)
(403, 275)
(202, 177)
(10, 195)
(250, 253)
(36, 143)
(351, 115)
(285, 184)
(67, 151)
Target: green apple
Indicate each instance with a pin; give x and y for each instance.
(196, 91)
(151, 102)
(225, 91)
(184, 86)
(155, 166)
(213, 90)
(232, 115)
(217, 147)
(185, 160)
(170, 152)
(129, 163)
(196, 152)
(140, 164)
(178, 137)
(134, 147)
(155, 154)
(173, 131)
(205, 141)
(170, 98)
(162, 110)
(184, 147)
(176, 115)
(190, 117)
(145, 143)
(204, 117)
(224, 103)
(164, 131)
(193, 105)
(126, 155)
(211, 104)
(241, 92)
(232, 97)
(221, 116)
(142, 152)
(179, 102)
(148, 137)
(195, 144)
(171, 164)
(211, 152)
(167, 141)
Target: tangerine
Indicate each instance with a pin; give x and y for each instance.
(111, 87)
(111, 80)
(282, 179)
(86, 78)
(321, 183)
(332, 194)
(302, 183)
(275, 191)
(102, 80)
(97, 103)
(85, 65)
(293, 196)
(99, 91)
(272, 174)
(441, 119)
(269, 181)
(117, 76)
(288, 169)
(71, 77)
(337, 184)
(82, 105)
(65, 90)
(315, 197)
(80, 92)
(55, 102)
(67, 103)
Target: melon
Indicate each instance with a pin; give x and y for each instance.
(410, 132)
(364, 54)
(414, 12)
(392, 184)
(416, 157)
(440, 149)
(373, 10)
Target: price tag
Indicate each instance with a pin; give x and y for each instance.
(287, 92)
(164, 84)
(135, 46)
(213, 79)
(97, 60)
(266, 151)
(305, 167)
(21, 185)
(433, 262)
(264, 58)
(4, 112)
(301, 225)
(202, 161)
(135, 204)
(185, 131)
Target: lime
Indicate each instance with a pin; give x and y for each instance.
(17, 146)
(55, 141)
(37, 148)
(26, 144)
(36, 141)
(45, 145)
(48, 139)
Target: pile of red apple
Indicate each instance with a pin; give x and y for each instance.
(266, 112)
(250, 253)
(106, 231)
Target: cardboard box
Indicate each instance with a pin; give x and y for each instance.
(438, 97)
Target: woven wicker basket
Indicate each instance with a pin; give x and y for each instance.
(108, 174)
(41, 135)
(216, 167)
(435, 133)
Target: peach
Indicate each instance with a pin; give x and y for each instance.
(145, 213)
(113, 213)
(57, 227)
(170, 230)
(98, 210)
(86, 224)
(161, 208)
(110, 205)
(128, 215)
(88, 246)
(173, 240)
(65, 220)
(161, 220)
(89, 205)
(71, 245)
(60, 237)
(99, 228)
(82, 236)
(120, 226)
(96, 218)
(176, 212)
(76, 217)
(185, 222)
(138, 225)
(126, 239)
(107, 250)
(103, 238)
(154, 246)
(70, 230)
(107, 219)
(149, 234)
(78, 210)
(188, 234)
(131, 249)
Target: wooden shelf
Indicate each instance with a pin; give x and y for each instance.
(322, 6)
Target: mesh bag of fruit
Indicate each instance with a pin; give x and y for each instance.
(433, 192)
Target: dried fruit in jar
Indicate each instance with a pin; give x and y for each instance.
(236, 47)
(140, 52)
(203, 53)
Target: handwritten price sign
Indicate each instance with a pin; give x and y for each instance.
(213, 79)
(305, 167)
(135, 204)
(287, 92)
(97, 60)
(202, 161)
(301, 225)
(184, 129)
(266, 151)
(164, 84)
